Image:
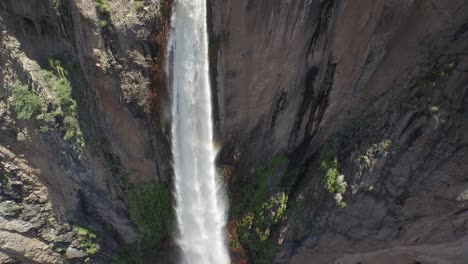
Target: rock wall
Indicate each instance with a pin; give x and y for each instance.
(350, 117)
(386, 81)
(58, 176)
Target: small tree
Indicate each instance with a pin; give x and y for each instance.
(26, 103)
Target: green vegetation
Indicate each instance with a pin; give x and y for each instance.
(57, 67)
(64, 113)
(103, 6)
(330, 170)
(138, 6)
(259, 213)
(253, 230)
(102, 22)
(59, 111)
(87, 239)
(374, 151)
(368, 159)
(151, 209)
(26, 103)
(256, 191)
(134, 256)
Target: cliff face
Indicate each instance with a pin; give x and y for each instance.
(343, 127)
(81, 125)
(366, 101)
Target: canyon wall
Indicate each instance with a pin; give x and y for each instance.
(81, 126)
(342, 128)
(379, 86)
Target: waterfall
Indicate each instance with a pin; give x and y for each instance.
(199, 209)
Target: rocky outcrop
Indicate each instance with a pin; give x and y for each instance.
(29, 230)
(384, 82)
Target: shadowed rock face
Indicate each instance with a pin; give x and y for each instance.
(388, 80)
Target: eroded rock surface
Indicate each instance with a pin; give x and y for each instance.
(97, 133)
(29, 230)
(385, 79)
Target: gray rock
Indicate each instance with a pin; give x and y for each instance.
(15, 225)
(10, 208)
(463, 197)
(72, 253)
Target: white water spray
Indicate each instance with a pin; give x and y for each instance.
(199, 208)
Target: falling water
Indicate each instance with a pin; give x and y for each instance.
(199, 209)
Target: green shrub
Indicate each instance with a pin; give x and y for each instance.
(63, 96)
(103, 6)
(256, 191)
(254, 228)
(150, 208)
(57, 66)
(64, 113)
(258, 213)
(26, 103)
(87, 239)
(138, 6)
(102, 22)
(234, 242)
(330, 171)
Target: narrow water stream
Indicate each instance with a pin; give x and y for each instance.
(200, 210)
